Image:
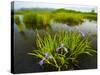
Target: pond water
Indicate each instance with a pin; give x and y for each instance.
(86, 27)
(24, 43)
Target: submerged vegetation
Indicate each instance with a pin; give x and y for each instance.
(62, 49)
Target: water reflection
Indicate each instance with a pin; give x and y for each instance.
(24, 36)
(85, 27)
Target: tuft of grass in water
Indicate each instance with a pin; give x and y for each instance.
(61, 49)
(20, 27)
(70, 19)
(18, 23)
(29, 20)
(90, 17)
(36, 20)
(45, 19)
(17, 20)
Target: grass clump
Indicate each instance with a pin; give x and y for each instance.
(19, 24)
(69, 18)
(90, 17)
(45, 19)
(61, 49)
(29, 20)
(17, 20)
(36, 20)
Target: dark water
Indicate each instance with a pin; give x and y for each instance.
(24, 43)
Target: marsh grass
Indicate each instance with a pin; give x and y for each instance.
(17, 20)
(36, 20)
(90, 17)
(41, 18)
(21, 28)
(61, 49)
(70, 19)
(46, 18)
(19, 24)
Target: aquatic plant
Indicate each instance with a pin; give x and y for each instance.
(36, 20)
(41, 19)
(62, 49)
(19, 24)
(45, 19)
(20, 27)
(90, 17)
(17, 20)
(29, 20)
(70, 19)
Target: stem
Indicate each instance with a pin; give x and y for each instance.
(61, 51)
(55, 62)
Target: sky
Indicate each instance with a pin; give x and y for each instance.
(22, 4)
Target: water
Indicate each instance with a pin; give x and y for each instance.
(86, 27)
(24, 43)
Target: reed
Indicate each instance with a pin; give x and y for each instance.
(36, 20)
(70, 19)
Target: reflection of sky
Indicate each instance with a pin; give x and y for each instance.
(22, 4)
